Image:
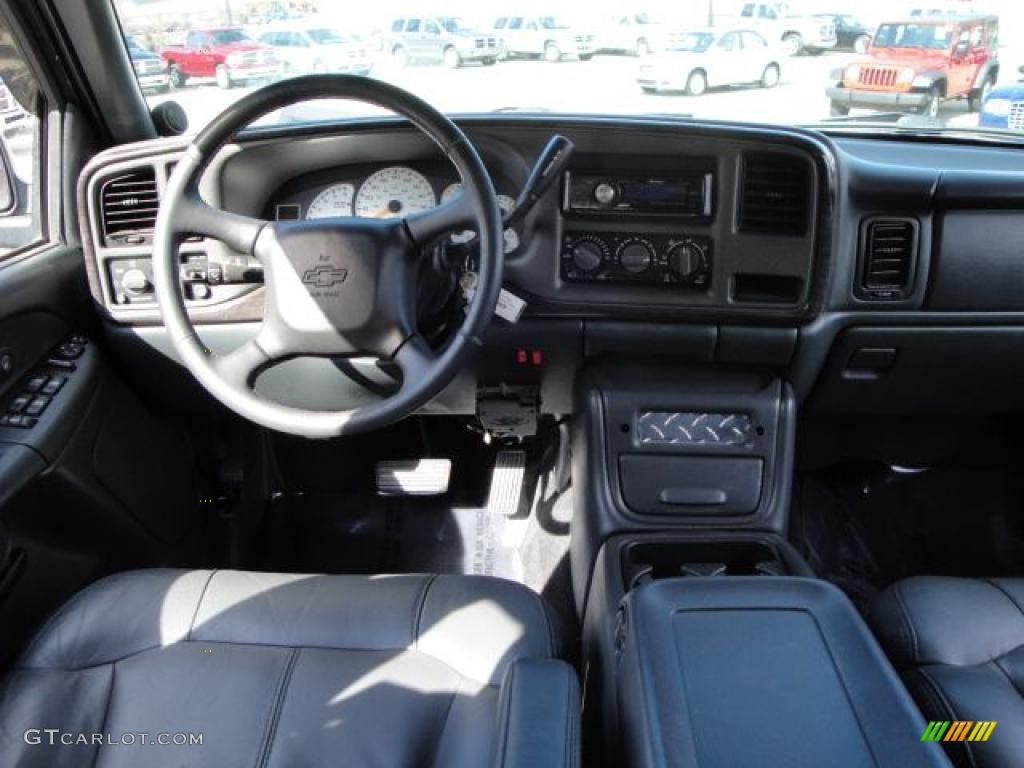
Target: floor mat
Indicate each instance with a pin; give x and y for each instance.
(865, 525)
(365, 533)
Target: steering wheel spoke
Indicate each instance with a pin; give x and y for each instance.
(427, 226)
(241, 366)
(415, 358)
(238, 232)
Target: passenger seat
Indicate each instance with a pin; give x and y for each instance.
(959, 645)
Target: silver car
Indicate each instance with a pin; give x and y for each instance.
(441, 39)
(544, 36)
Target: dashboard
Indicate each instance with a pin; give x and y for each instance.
(714, 224)
(839, 261)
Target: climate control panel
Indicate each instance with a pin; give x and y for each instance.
(679, 260)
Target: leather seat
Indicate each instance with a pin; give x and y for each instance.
(959, 644)
(290, 670)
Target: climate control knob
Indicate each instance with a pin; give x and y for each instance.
(636, 256)
(135, 282)
(686, 259)
(587, 256)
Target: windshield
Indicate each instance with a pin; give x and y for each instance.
(697, 42)
(931, 36)
(133, 45)
(954, 68)
(229, 36)
(450, 24)
(326, 37)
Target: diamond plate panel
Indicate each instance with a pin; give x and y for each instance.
(663, 428)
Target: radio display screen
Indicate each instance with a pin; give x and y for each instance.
(673, 193)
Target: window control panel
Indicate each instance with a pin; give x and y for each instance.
(44, 384)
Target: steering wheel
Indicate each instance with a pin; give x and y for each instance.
(335, 287)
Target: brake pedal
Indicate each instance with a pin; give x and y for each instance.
(507, 483)
(413, 477)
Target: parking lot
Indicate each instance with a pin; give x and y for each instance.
(604, 84)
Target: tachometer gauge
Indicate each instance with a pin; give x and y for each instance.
(394, 191)
(336, 200)
(505, 205)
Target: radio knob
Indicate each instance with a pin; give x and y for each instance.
(135, 282)
(686, 259)
(605, 193)
(636, 257)
(587, 256)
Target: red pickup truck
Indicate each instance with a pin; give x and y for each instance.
(227, 54)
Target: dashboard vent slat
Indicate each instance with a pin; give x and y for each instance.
(128, 207)
(774, 195)
(889, 254)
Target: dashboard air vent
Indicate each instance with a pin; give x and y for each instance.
(889, 252)
(128, 206)
(775, 194)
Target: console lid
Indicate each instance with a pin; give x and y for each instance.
(747, 671)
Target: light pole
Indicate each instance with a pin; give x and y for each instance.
(227, 11)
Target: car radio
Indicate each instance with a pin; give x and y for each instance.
(683, 194)
(681, 260)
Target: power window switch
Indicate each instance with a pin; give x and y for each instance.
(36, 383)
(19, 404)
(53, 386)
(37, 406)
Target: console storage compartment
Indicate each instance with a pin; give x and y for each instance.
(669, 448)
(752, 672)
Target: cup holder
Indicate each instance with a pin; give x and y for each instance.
(645, 561)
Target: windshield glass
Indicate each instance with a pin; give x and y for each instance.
(229, 36)
(326, 37)
(931, 36)
(925, 66)
(696, 42)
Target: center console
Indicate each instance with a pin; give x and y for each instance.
(676, 449)
(707, 639)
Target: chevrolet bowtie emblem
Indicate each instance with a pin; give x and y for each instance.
(324, 276)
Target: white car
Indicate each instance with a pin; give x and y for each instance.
(798, 33)
(544, 36)
(316, 49)
(708, 58)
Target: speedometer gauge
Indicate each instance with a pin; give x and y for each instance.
(394, 191)
(336, 200)
(505, 205)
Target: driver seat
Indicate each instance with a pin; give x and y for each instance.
(286, 670)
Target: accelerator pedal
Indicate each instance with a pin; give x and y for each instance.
(413, 477)
(507, 483)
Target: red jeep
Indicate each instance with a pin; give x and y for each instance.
(915, 65)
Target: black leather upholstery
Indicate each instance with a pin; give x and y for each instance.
(755, 672)
(960, 646)
(289, 670)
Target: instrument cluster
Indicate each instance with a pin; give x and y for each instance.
(389, 192)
